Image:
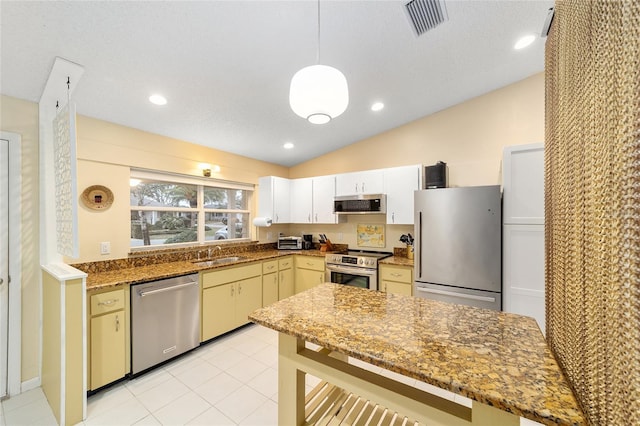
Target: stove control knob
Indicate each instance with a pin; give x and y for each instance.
(361, 261)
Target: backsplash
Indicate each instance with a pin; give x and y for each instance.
(152, 257)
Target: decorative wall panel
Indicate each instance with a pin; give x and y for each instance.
(64, 151)
(592, 205)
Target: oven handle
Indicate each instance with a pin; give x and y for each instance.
(356, 271)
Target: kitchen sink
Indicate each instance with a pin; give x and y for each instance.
(220, 261)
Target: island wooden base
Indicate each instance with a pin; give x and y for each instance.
(387, 400)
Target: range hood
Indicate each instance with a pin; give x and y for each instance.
(360, 204)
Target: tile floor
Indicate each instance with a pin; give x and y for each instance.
(231, 381)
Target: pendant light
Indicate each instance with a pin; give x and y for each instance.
(318, 92)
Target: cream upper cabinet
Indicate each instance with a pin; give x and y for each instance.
(399, 185)
(324, 191)
(301, 200)
(273, 198)
(365, 182)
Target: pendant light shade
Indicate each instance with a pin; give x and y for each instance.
(319, 93)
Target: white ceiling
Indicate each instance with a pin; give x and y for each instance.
(225, 66)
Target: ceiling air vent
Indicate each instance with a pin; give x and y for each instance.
(426, 14)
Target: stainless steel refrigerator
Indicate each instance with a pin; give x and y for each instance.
(458, 255)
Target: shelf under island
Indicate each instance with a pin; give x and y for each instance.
(500, 361)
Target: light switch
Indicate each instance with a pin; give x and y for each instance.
(105, 247)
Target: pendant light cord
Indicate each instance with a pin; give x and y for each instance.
(318, 51)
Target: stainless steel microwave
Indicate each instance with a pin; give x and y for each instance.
(360, 204)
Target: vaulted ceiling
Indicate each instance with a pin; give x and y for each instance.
(225, 66)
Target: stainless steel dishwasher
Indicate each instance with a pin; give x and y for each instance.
(165, 320)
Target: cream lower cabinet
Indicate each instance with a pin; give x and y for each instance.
(269, 282)
(286, 285)
(396, 279)
(107, 351)
(228, 297)
(309, 272)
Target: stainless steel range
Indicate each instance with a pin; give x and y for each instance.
(355, 268)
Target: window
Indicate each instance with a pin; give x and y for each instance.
(171, 209)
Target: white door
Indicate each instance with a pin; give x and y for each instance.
(4, 262)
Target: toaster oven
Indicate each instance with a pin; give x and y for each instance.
(290, 243)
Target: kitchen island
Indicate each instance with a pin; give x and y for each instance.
(498, 360)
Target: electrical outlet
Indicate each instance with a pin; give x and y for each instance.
(339, 236)
(105, 247)
(269, 236)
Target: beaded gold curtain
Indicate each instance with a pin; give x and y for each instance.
(592, 205)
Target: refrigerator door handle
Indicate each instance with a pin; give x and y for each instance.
(454, 294)
(419, 245)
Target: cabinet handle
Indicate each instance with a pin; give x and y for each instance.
(309, 218)
(117, 322)
(108, 302)
(239, 288)
(321, 278)
(362, 186)
(316, 217)
(276, 217)
(270, 267)
(393, 217)
(232, 290)
(356, 187)
(395, 274)
(309, 264)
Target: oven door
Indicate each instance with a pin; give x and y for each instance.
(357, 277)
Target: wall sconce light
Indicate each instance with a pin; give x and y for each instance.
(208, 168)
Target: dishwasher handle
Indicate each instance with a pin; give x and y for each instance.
(143, 293)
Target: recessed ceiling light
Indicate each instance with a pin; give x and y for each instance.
(524, 42)
(158, 100)
(377, 106)
(288, 145)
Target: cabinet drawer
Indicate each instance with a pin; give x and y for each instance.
(285, 263)
(396, 273)
(270, 267)
(308, 262)
(107, 302)
(228, 275)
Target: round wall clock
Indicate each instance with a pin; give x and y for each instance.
(97, 197)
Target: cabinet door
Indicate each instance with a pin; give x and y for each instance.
(523, 184)
(396, 287)
(523, 271)
(273, 198)
(399, 185)
(269, 288)
(301, 200)
(285, 284)
(218, 310)
(248, 299)
(366, 182)
(307, 278)
(324, 191)
(108, 355)
(281, 203)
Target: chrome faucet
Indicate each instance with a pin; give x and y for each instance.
(211, 249)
